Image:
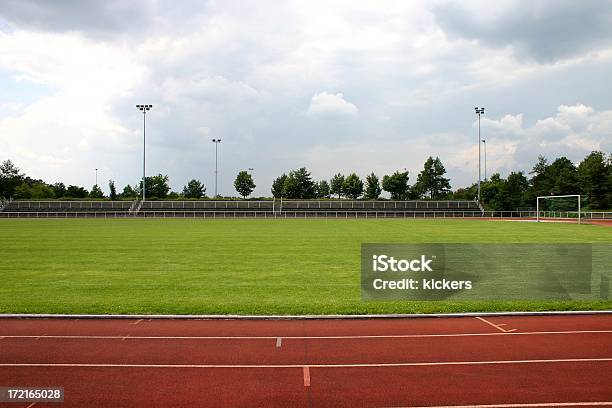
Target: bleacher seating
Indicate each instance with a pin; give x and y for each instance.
(243, 208)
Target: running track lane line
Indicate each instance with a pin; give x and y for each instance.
(381, 336)
(497, 326)
(306, 370)
(411, 364)
(526, 405)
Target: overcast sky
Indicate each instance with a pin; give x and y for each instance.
(336, 86)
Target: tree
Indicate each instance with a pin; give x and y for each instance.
(431, 179)
(563, 177)
(322, 188)
(244, 184)
(336, 184)
(277, 186)
(352, 186)
(194, 189)
(112, 189)
(299, 184)
(76, 192)
(129, 192)
(397, 185)
(22, 191)
(539, 184)
(372, 190)
(96, 192)
(515, 189)
(59, 190)
(156, 186)
(593, 174)
(10, 178)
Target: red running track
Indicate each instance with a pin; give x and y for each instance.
(504, 361)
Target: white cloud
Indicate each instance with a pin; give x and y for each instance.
(331, 106)
(264, 77)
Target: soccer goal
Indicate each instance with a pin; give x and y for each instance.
(563, 207)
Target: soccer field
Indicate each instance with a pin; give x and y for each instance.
(252, 266)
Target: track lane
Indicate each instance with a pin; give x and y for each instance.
(422, 385)
(320, 351)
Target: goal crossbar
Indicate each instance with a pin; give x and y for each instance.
(559, 196)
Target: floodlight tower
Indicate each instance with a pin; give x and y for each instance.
(484, 143)
(144, 109)
(96, 177)
(216, 142)
(479, 111)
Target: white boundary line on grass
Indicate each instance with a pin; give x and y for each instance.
(279, 339)
(295, 317)
(355, 365)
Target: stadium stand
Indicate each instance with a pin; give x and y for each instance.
(244, 208)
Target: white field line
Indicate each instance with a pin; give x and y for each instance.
(381, 336)
(363, 365)
(526, 405)
(298, 317)
(497, 326)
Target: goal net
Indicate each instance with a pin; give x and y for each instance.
(559, 208)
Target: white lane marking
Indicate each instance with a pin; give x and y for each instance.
(136, 322)
(306, 371)
(381, 336)
(31, 405)
(279, 342)
(534, 404)
(410, 364)
(497, 326)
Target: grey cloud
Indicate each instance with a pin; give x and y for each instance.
(93, 18)
(546, 31)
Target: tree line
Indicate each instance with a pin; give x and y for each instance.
(430, 183)
(592, 178)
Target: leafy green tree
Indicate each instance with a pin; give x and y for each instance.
(156, 186)
(431, 180)
(397, 185)
(10, 178)
(563, 177)
(539, 184)
(277, 186)
(129, 192)
(352, 186)
(323, 189)
(594, 174)
(59, 190)
(515, 189)
(194, 189)
(76, 192)
(372, 189)
(336, 184)
(23, 191)
(96, 192)
(299, 184)
(112, 189)
(244, 184)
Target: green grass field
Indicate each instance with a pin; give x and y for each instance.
(187, 266)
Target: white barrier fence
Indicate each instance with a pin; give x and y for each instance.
(309, 214)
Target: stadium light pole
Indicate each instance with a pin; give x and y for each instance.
(144, 109)
(484, 143)
(216, 142)
(479, 111)
(96, 177)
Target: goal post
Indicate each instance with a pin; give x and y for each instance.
(553, 208)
